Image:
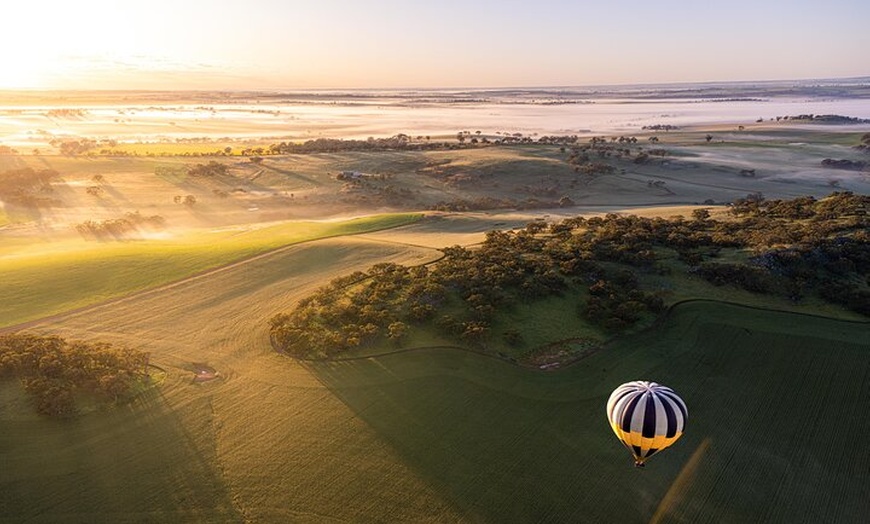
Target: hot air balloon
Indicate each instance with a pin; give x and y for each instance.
(646, 417)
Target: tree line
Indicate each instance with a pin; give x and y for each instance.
(798, 247)
(119, 228)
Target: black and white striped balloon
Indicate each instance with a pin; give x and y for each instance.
(646, 417)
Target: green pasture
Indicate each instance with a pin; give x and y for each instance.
(678, 284)
(42, 280)
(777, 405)
(136, 465)
(542, 322)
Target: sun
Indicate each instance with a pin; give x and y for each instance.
(60, 46)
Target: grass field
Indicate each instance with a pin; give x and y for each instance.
(234, 429)
(773, 412)
(775, 402)
(41, 279)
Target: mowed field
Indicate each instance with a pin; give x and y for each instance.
(775, 404)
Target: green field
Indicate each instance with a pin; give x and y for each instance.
(40, 279)
(773, 414)
(777, 405)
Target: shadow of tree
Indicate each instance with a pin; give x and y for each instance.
(503, 445)
(506, 444)
(137, 463)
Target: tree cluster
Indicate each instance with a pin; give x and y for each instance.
(27, 187)
(212, 169)
(400, 141)
(800, 246)
(660, 127)
(79, 147)
(590, 159)
(824, 119)
(187, 200)
(460, 295)
(617, 303)
(53, 370)
(851, 165)
(119, 228)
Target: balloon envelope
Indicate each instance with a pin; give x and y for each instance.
(646, 417)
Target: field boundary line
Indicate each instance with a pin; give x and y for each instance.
(762, 308)
(185, 280)
(656, 325)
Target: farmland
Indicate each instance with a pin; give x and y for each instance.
(188, 257)
(49, 278)
(471, 438)
(779, 433)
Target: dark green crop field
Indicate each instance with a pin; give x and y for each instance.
(777, 407)
(777, 412)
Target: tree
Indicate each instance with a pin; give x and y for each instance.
(700, 214)
(513, 337)
(397, 331)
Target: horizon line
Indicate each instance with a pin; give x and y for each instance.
(844, 79)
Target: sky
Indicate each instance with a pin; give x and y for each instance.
(308, 44)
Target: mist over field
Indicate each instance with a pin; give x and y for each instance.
(31, 119)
